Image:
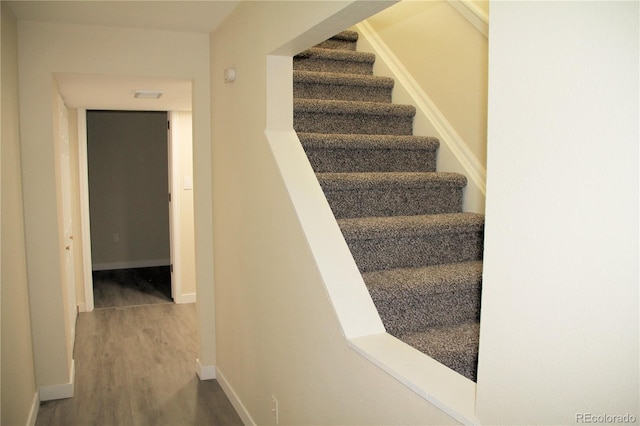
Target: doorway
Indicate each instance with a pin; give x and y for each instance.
(128, 174)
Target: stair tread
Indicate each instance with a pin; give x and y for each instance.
(346, 35)
(403, 226)
(434, 279)
(341, 79)
(455, 346)
(383, 180)
(363, 141)
(336, 55)
(352, 107)
(433, 308)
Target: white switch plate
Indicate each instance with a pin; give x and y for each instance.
(188, 182)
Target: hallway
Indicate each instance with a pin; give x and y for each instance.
(136, 366)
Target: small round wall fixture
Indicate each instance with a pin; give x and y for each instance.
(229, 75)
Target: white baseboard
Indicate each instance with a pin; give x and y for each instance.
(205, 372)
(185, 298)
(235, 400)
(61, 391)
(33, 412)
(472, 13)
(454, 154)
(130, 264)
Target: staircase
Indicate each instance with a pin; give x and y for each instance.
(419, 254)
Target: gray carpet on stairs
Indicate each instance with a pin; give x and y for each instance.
(419, 253)
(369, 153)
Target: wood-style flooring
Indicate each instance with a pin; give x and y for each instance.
(136, 366)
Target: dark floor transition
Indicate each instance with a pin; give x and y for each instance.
(131, 287)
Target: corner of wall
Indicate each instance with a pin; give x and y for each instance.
(59, 391)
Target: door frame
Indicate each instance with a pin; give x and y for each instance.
(174, 224)
(83, 172)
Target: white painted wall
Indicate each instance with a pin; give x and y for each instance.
(559, 331)
(17, 380)
(46, 49)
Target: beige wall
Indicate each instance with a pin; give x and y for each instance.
(277, 332)
(559, 332)
(128, 188)
(18, 387)
(45, 49)
(448, 57)
(483, 5)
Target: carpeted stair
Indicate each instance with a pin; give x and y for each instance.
(419, 254)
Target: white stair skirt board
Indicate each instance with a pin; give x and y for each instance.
(61, 391)
(33, 411)
(205, 372)
(453, 155)
(235, 401)
(131, 265)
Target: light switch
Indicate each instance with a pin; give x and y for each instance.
(188, 182)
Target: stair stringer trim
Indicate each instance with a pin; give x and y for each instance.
(453, 155)
(354, 308)
(361, 325)
(346, 290)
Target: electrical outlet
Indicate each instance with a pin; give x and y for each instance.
(274, 409)
(116, 238)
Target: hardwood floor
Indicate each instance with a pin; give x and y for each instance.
(136, 366)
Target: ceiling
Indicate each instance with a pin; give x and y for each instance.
(116, 91)
(188, 16)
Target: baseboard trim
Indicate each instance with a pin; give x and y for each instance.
(60, 391)
(129, 265)
(452, 141)
(33, 412)
(205, 372)
(472, 13)
(235, 400)
(185, 298)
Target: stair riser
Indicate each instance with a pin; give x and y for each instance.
(338, 44)
(459, 352)
(395, 201)
(416, 251)
(314, 122)
(342, 93)
(369, 160)
(408, 314)
(323, 65)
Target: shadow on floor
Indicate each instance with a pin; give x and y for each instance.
(131, 287)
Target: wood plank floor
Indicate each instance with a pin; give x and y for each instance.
(136, 366)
